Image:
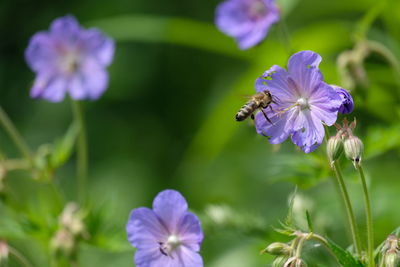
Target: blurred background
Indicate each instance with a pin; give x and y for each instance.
(167, 121)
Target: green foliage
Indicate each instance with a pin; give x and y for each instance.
(344, 257)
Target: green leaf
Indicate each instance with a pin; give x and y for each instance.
(309, 222)
(63, 148)
(344, 257)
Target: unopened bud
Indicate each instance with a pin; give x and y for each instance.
(392, 259)
(353, 148)
(334, 148)
(277, 248)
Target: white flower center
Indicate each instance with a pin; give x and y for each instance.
(173, 242)
(69, 62)
(303, 103)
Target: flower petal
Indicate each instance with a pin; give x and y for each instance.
(325, 103)
(232, 19)
(145, 229)
(189, 258)
(90, 82)
(190, 232)
(40, 53)
(303, 69)
(170, 206)
(310, 136)
(276, 80)
(280, 128)
(52, 88)
(65, 29)
(153, 258)
(97, 44)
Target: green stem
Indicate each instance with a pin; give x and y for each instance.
(370, 231)
(15, 136)
(19, 257)
(82, 157)
(349, 208)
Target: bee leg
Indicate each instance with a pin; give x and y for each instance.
(252, 116)
(266, 117)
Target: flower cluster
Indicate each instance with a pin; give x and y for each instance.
(168, 235)
(302, 102)
(70, 59)
(246, 20)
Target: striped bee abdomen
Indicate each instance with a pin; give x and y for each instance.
(246, 110)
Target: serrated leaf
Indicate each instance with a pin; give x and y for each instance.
(344, 257)
(63, 148)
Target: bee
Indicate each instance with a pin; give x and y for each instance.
(260, 101)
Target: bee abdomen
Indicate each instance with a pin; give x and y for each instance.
(246, 111)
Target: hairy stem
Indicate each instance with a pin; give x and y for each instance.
(370, 231)
(349, 208)
(15, 136)
(82, 157)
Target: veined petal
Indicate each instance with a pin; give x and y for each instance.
(190, 232)
(325, 103)
(303, 69)
(280, 128)
(311, 135)
(152, 258)
(145, 229)
(189, 258)
(170, 206)
(276, 80)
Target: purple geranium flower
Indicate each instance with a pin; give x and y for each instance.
(68, 58)
(168, 235)
(347, 101)
(303, 101)
(246, 20)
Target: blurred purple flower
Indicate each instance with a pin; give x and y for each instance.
(168, 235)
(246, 20)
(303, 101)
(347, 101)
(68, 58)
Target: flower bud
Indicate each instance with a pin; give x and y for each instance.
(353, 148)
(347, 101)
(277, 248)
(392, 259)
(334, 148)
(3, 253)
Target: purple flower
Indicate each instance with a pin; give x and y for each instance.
(68, 58)
(246, 20)
(347, 101)
(303, 101)
(168, 235)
